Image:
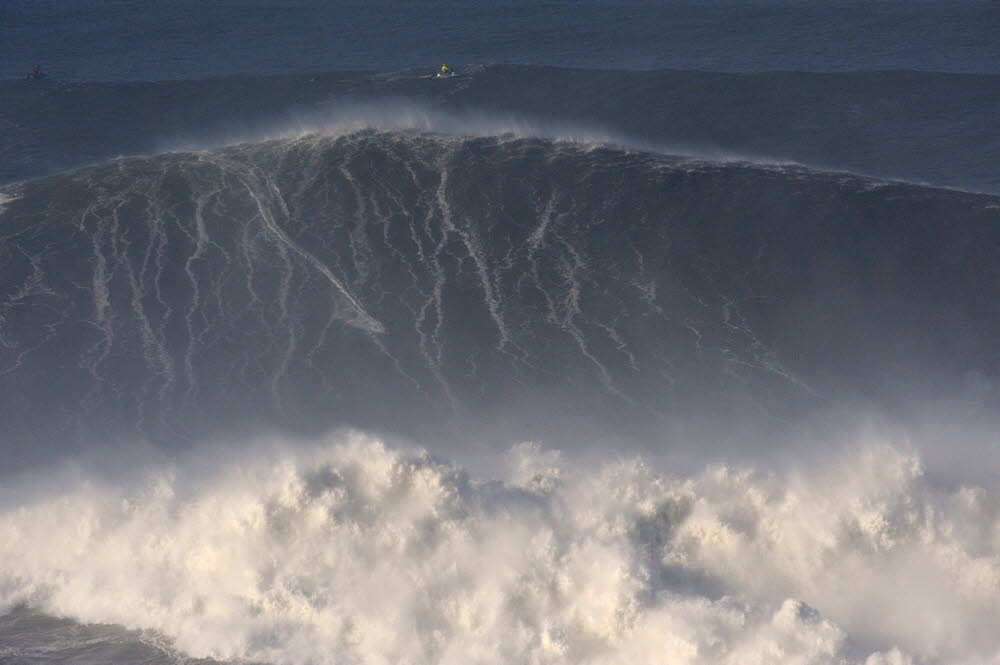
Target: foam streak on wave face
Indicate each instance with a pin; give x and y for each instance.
(352, 552)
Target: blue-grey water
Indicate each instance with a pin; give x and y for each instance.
(116, 40)
(660, 333)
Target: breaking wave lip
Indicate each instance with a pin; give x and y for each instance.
(405, 116)
(424, 121)
(353, 551)
(499, 94)
(408, 116)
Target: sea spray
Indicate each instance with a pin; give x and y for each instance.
(430, 285)
(347, 550)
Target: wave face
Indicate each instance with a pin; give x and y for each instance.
(352, 552)
(532, 365)
(161, 317)
(408, 282)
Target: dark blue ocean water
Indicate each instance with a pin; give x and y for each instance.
(663, 332)
(116, 40)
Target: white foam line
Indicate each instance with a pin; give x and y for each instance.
(362, 318)
(6, 198)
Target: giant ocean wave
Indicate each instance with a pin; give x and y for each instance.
(237, 376)
(409, 281)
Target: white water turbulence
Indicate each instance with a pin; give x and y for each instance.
(347, 550)
(5, 199)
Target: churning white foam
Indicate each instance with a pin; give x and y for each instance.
(5, 198)
(354, 552)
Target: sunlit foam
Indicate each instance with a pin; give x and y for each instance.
(352, 551)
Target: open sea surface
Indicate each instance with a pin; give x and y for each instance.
(661, 332)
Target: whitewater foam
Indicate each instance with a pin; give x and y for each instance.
(352, 551)
(5, 198)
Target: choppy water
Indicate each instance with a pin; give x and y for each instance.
(573, 359)
(184, 39)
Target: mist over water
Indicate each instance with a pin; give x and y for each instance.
(862, 122)
(535, 364)
(348, 551)
(432, 285)
(649, 316)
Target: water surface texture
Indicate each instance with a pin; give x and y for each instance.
(660, 333)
